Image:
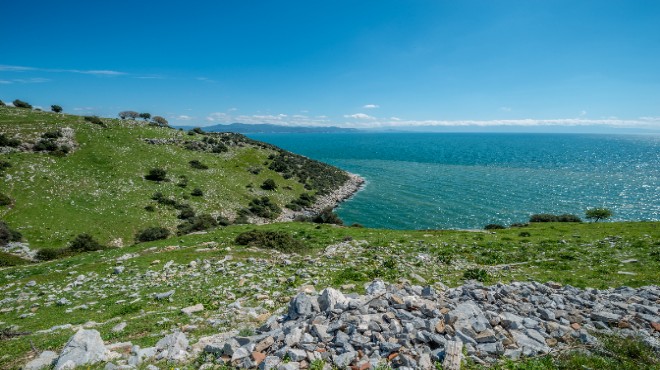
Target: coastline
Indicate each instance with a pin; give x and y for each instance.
(332, 200)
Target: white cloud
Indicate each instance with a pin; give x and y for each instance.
(360, 116)
(277, 119)
(5, 82)
(395, 118)
(98, 72)
(647, 122)
(505, 109)
(371, 106)
(183, 117)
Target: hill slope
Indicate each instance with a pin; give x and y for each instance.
(100, 188)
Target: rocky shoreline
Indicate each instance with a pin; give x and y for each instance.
(332, 200)
(401, 326)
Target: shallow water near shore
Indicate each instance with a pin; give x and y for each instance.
(431, 181)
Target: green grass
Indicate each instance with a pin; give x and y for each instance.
(583, 255)
(99, 189)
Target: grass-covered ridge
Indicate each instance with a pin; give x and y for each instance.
(215, 269)
(97, 184)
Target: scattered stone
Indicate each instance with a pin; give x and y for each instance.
(83, 348)
(119, 327)
(173, 347)
(44, 361)
(161, 296)
(193, 309)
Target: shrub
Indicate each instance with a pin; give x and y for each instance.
(198, 165)
(269, 184)
(47, 254)
(524, 234)
(8, 259)
(152, 233)
(543, 217)
(327, 216)
(2, 104)
(197, 192)
(494, 227)
(198, 130)
(4, 165)
(5, 141)
(145, 116)
(476, 274)
(223, 221)
(183, 181)
(45, 145)
(8, 234)
(21, 104)
(186, 213)
(5, 200)
(264, 207)
(150, 208)
(56, 108)
(156, 174)
(95, 120)
(568, 218)
(197, 223)
(84, 243)
(279, 240)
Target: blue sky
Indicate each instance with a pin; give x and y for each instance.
(352, 63)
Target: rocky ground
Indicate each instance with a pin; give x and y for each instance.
(402, 326)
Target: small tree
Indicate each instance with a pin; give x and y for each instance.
(269, 184)
(156, 174)
(129, 114)
(21, 104)
(597, 214)
(56, 108)
(145, 116)
(160, 121)
(84, 243)
(2, 104)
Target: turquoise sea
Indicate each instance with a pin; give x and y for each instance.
(452, 180)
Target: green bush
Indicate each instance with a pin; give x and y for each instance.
(547, 217)
(5, 200)
(152, 233)
(150, 208)
(8, 259)
(8, 234)
(156, 174)
(56, 108)
(524, 234)
(95, 120)
(10, 142)
(278, 240)
(197, 223)
(85, 243)
(264, 207)
(197, 192)
(21, 104)
(198, 165)
(476, 274)
(269, 184)
(494, 227)
(4, 165)
(327, 216)
(186, 213)
(47, 254)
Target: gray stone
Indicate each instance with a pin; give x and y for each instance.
(344, 359)
(161, 296)
(193, 309)
(330, 298)
(604, 316)
(300, 306)
(44, 361)
(119, 327)
(296, 355)
(270, 362)
(376, 287)
(83, 348)
(173, 347)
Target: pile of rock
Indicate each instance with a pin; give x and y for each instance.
(410, 327)
(413, 327)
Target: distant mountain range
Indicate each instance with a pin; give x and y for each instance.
(267, 128)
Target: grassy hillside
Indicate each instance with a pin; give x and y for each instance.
(100, 189)
(214, 270)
